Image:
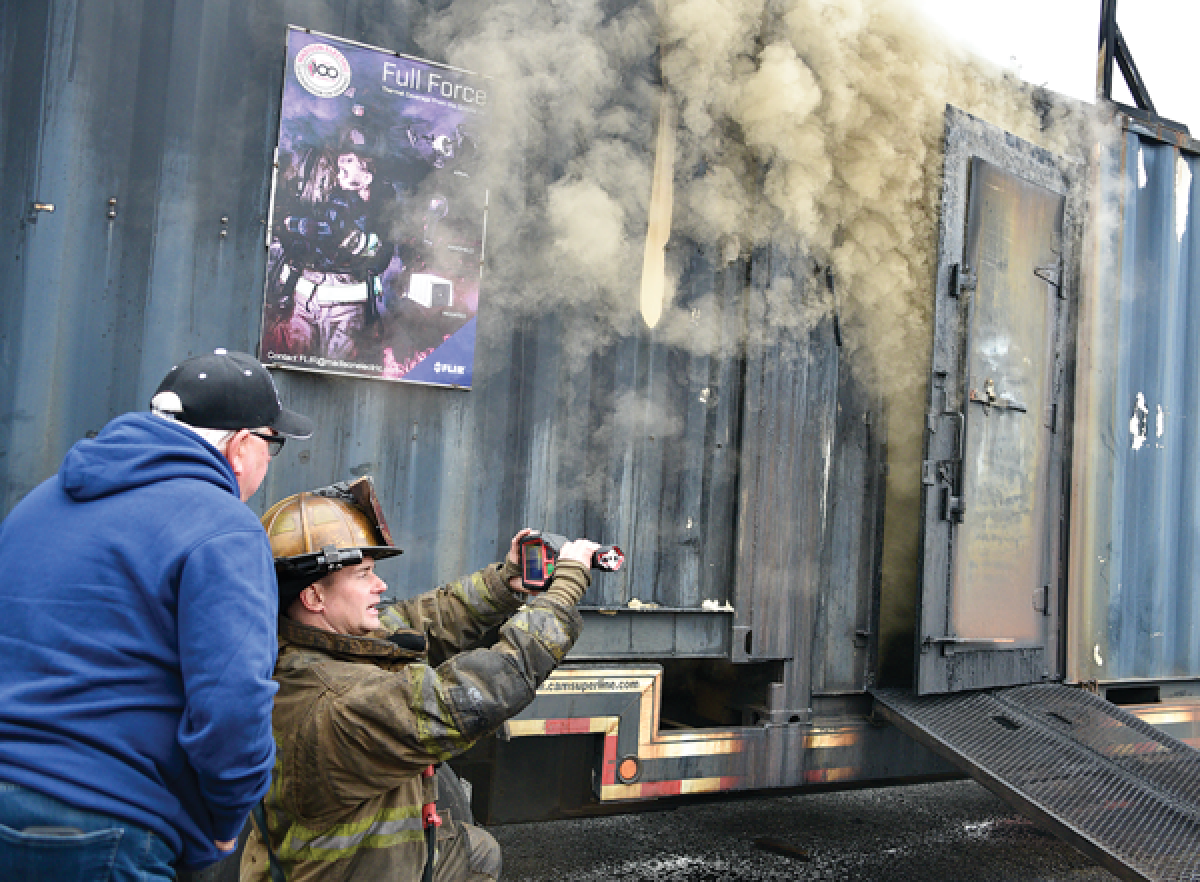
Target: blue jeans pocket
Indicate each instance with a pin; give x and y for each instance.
(69, 857)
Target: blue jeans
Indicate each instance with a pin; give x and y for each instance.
(42, 838)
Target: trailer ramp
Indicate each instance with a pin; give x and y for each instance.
(1116, 788)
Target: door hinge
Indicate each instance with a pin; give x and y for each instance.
(1051, 274)
(949, 645)
(1041, 600)
(962, 278)
(952, 507)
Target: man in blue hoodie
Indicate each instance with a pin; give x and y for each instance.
(137, 636)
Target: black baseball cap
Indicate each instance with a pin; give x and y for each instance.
(227, 390)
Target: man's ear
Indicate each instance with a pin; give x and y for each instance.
(235, 452)
(312, 598)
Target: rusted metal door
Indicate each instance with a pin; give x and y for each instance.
(992, 475)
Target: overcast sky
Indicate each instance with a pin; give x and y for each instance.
(1053, 43)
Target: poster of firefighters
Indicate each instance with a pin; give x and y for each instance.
(378, 216)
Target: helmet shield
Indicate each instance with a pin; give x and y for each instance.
(363, 493)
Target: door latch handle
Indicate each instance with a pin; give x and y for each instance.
(989, 399)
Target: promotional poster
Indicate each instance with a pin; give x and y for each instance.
(378, 219)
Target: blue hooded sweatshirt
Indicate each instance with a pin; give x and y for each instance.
(137, 637)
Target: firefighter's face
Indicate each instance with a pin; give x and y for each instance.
(354, 174)
(350, 598)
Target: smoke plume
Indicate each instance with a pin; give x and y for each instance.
(811, 126)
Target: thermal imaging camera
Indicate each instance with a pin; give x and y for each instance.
(539, 555)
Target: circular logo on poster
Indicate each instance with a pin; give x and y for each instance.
(322, 70)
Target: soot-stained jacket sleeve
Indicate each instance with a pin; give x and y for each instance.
(457, 616)
(227, 645)
(383, 726)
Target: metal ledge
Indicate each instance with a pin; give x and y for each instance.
(653, 632)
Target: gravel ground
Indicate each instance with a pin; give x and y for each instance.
(929, 832)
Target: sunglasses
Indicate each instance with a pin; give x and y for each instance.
(274, 442)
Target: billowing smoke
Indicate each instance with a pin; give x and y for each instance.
(570, 146)
(808, 125)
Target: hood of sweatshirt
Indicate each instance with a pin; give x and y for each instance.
(138, 449)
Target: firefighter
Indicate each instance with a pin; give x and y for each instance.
(371, 694)
(332, 250)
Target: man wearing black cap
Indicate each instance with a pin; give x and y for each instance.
(138, 636)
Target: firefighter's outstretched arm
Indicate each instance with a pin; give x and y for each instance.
(457, 616)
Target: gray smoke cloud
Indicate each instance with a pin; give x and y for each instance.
(812, 126)
(569, 146)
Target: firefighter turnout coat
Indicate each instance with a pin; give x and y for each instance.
(357, 719)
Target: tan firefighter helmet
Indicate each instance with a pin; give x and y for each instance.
(316, 532)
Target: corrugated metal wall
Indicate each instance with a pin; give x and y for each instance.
(717, 470)
(171, 109)
(1135, 584)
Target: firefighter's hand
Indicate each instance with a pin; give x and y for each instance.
(514, 548)
(225, 846)
(580, 550)
(514, 562)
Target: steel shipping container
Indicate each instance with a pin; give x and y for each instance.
(746, 484)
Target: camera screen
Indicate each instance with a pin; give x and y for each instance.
(534, 563)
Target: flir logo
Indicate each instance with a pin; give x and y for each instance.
(322, 70)
(439, 368)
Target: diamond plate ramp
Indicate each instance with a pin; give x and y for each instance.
(1116, 788)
